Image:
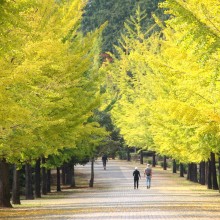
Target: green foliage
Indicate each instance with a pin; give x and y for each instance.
(116, 13)
(113, 142)
(122, 154)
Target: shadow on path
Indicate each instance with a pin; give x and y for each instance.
(113, 197)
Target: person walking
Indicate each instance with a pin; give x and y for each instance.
(148, 174)
(136, 175)
(104, 161)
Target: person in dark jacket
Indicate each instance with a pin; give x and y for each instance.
(136, 175)
(104, 161)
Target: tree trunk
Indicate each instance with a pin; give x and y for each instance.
(91, 182)
(174, 166)
(141, 157)
(16, 186)
(58, 180)
(188, 177)
(164, 163)
(206, 172)
(209, 175)
(214, 175)
(74, 182)
(69, 174)
(219, 171)
(37, 179)
(194, 177)
(64, 174)
(48, 181)
(202, 173)
(181, 170)
(44, 177)
(192, 172)
(154, 160)
(28, 182)
(4, 184)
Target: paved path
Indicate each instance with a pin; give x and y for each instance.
(113, 198)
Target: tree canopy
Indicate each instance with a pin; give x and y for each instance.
(167, 84)
(49, 79)
(161, 86)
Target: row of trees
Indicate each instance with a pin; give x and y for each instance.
(162, 86)
(49, 86)
(36, 179)
(166, 86)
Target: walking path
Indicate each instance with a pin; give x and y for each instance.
(114, 198)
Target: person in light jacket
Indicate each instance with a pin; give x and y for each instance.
(148, 174)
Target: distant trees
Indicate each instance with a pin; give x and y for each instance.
(116, 13)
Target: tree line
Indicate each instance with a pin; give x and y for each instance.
(166, 85)
(160, 83)
(49, 90)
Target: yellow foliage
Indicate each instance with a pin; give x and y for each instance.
(169, 91)
(49, 82)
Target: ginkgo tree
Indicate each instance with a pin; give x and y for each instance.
(167, 85)
(130, 81)
(50, 83)
(11, 113)
(190, 52)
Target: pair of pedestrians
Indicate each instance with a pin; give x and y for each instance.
(147, 174)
